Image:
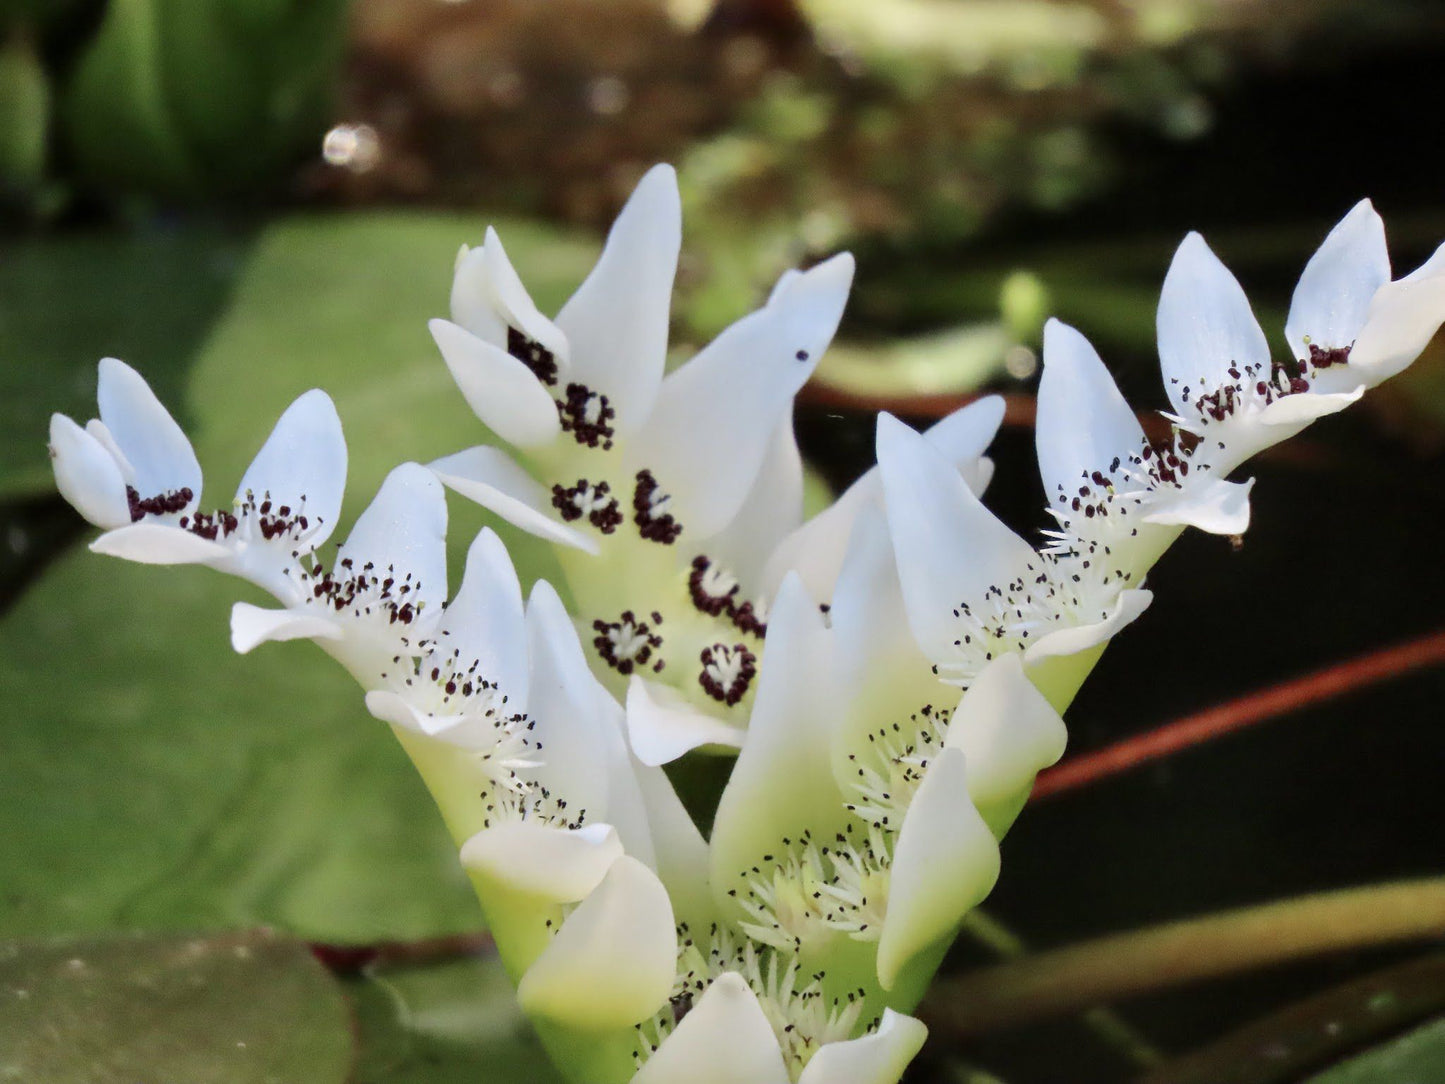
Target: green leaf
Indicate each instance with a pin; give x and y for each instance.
(1417, 1057)
(227, 1010)
(24, 116)
(119, 121)
(195, 97)
(156, 780)
(146, 297)
(1316, 1031)
(453, 1023)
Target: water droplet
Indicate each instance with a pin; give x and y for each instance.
(352, 146)
(1020, 362)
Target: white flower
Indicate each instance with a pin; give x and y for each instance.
(972, 589)
(855, 812)
(1349, 328)
(668, 496)
(132, 471)
(381, 595)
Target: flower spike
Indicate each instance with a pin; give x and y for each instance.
(890, 674)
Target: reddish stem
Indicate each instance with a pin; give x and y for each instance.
(354, 959)
(1246, 711)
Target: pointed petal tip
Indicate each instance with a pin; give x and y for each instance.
(113, 368)
(829, 280)
(890, 432)
(660, 180)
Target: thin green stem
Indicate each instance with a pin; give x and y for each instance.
(1142, 961)
(1106, 1025)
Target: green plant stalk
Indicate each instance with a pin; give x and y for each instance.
(1142, 961)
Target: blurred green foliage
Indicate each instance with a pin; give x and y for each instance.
(171, 99)
(202, 97)
(1418, 1056)
(24, 116)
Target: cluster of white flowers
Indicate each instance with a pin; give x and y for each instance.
(890, 673)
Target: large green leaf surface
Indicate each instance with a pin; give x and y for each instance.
(229, 1010)
(1416, 1058)
(452, 1023)
(153, 779)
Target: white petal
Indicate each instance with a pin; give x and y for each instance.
(160, 544)
(565, 703)
(662, 726)
(472, 306)
(1205, 326)
(725, 1039)
(965, 435)
(153, 443)
(1210, 504)
(494, 480)
(1071, 641)
(950, 548)
(773, 507)
(1294, 412)
(556, 865)
(613, 961)
(876, 1058)
(878, 663)
(473, 731)
(96, 428)
(781, 783)
(404, 529)
(502, 391)
(1403, 318)
(680, 852)
(1006, 730)
(1083, 422)
(616, 322)
(945, 863)
(867, 615)
(303, 464)
(488, 298)
(87, 474)
(252, 626)
(709, 433)
(395, 709)
(1432, 267)
(626, 806)
(485, 624)
(1334, 292)
(817, 548)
